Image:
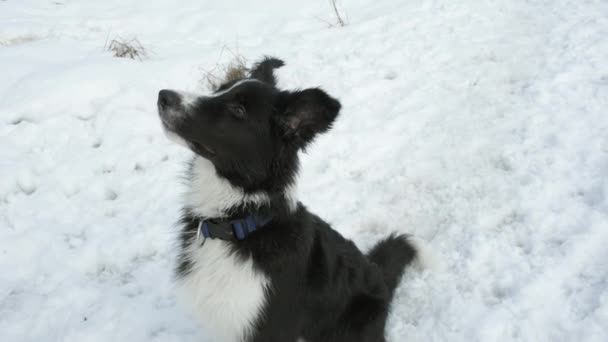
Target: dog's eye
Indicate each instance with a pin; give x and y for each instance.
(238, 111)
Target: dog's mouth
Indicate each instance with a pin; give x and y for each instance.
(205, 150)
(166, 124)
(200, 148)
(173, 134)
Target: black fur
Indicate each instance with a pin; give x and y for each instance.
(323, 287)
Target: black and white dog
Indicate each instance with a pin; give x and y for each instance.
(255, 264)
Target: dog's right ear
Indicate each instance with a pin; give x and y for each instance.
(304, 114)
(264, 70)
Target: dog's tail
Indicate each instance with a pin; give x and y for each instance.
(393, 254)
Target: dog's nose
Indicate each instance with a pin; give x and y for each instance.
(168, 98)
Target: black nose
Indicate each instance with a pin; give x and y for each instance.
(168, 98)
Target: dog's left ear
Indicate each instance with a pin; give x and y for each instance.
(264, 70)
(306, 113)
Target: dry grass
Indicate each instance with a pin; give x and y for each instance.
(126, 48)
(222, 72)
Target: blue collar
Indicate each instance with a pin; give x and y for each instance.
(237, 229)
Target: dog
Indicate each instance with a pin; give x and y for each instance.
(254, 264)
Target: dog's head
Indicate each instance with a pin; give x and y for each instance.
(250, 130)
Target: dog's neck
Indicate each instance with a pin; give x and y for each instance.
(211, 196)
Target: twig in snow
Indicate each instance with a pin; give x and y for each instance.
(339, 19)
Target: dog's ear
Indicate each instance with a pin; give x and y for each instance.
(264, 70)
(305, 113)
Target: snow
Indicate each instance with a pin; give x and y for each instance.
(477, 126)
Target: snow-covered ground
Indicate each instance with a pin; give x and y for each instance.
(481, 127)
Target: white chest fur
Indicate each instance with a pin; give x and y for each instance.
(226, 293)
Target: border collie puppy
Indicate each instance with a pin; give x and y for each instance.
(255, 264)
